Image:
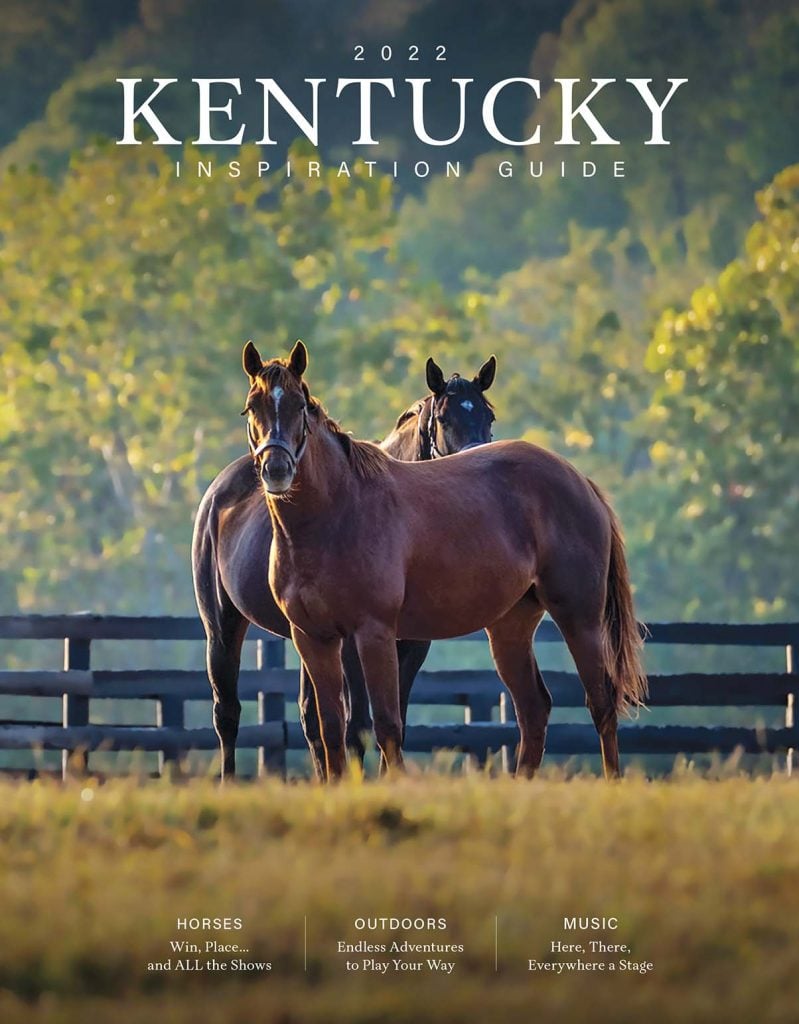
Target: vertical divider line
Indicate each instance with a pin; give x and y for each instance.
(790, 667)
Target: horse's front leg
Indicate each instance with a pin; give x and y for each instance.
(322, 659)
(309, 719)
(377, 647)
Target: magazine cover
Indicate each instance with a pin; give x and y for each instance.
(399, 604)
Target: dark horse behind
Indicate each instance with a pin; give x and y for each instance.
(230, 556)
(368, 548)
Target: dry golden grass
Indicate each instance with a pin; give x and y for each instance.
(703, 875)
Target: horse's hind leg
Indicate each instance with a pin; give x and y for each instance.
(411, 655)
(585, 642)
(223, 658)
(511, 641)
(359, 721)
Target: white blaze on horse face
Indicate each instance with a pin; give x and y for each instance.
(466, 404)
(277, 394)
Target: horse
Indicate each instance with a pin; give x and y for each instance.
(456, 416)
(370, 548)
(231, 541)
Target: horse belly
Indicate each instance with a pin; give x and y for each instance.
(437, 607)
(260, 607)
(244, 569)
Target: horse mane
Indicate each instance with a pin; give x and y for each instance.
(366, 459)
(410, 413)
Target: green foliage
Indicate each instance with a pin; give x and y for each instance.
(569, 330)
(729, 128)
(40, 45)
(726, 416)
(125, 306)
(127, 296)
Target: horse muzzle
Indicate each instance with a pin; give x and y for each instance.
(277, 471)
(278, 461)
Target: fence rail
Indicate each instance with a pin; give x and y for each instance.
(488, 724)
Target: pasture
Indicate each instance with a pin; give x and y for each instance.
(701, 873)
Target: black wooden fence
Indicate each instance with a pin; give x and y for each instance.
(487, 724)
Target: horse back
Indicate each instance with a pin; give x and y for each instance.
(509, 494)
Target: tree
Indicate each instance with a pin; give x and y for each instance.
(41, 44)
(127, 296)
(725, 428)
(686, 203)
(572, 336)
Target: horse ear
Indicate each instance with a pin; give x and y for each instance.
(435, 378)
(485, 375)
(298, 360)
(251, 361)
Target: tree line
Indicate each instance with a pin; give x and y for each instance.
(646, 331)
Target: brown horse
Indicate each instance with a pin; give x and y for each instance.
(457, 416)
(230, 549)
(374, 549)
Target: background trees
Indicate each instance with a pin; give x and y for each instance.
(645, 329)
(126, 299)
(723, 422)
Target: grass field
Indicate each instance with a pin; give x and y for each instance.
(702, 875)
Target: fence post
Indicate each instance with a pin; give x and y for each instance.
(479, 708)
(790, 665)
(75, 709)
(271, 706)
(507, 713)
(170, 714)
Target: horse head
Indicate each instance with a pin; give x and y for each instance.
(277, 415)
(458, 416)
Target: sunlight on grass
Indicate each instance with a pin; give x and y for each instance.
(701, 874)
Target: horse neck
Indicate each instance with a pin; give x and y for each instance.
(403, 443)
(320, 488)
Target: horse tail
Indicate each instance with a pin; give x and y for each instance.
(622, 635)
